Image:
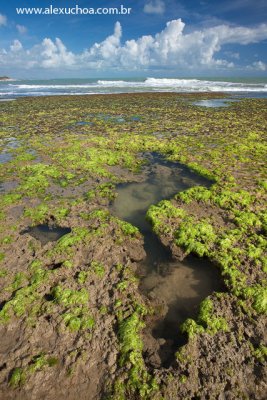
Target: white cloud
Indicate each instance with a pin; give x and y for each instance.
(170, 48)
(16, 46)
(107, 49)
(240, 34)
(3, 20)
(21, 29)
(260, 66)
(154, 7)
(48, 54)
(55, 54)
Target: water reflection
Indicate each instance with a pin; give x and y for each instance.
(214, 102)
(178, 286)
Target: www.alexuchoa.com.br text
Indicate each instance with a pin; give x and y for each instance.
(76, 10)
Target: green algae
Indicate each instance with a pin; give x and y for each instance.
(78, 319)
(105, 190)
(69, 297)
(98, 268)
(17, 378)
(139, 381)
(206, 321)
(76, 316)
(20, 375)
(158, 214)
(3, 273)
(260, 352)
(195, 236)
(21, 301)
(127, 228)
(43, 211)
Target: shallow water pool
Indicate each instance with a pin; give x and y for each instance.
(214, 103)
(45, 233)
(178, 286)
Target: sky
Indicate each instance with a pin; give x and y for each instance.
(161, 38)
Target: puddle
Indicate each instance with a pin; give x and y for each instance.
(215, 102)
(45, 233)
(164, 180)
(178, 286)
(82, 123)
(10, 144)
(5, 157)
(135, 118)
(13, 143)
(111, 118)
(4, 100)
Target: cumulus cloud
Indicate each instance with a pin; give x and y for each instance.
(170, 48)
(3, 20)
(55, 54)
(16, 46)
(21, 29)
(154, 7)
(260, 66)
(49, 54)
(107, 49)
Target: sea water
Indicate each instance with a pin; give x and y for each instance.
(242, 87)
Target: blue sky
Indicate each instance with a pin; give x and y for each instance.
(158, 38)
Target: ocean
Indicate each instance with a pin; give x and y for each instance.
(254, 87)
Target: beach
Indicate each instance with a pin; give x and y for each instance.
(133, 239)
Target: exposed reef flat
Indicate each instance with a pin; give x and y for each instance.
(73, 321)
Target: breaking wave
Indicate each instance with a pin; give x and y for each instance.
(94, 86)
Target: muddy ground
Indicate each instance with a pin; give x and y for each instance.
(74, 323)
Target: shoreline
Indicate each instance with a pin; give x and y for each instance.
(241, 95)
(126, 94)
